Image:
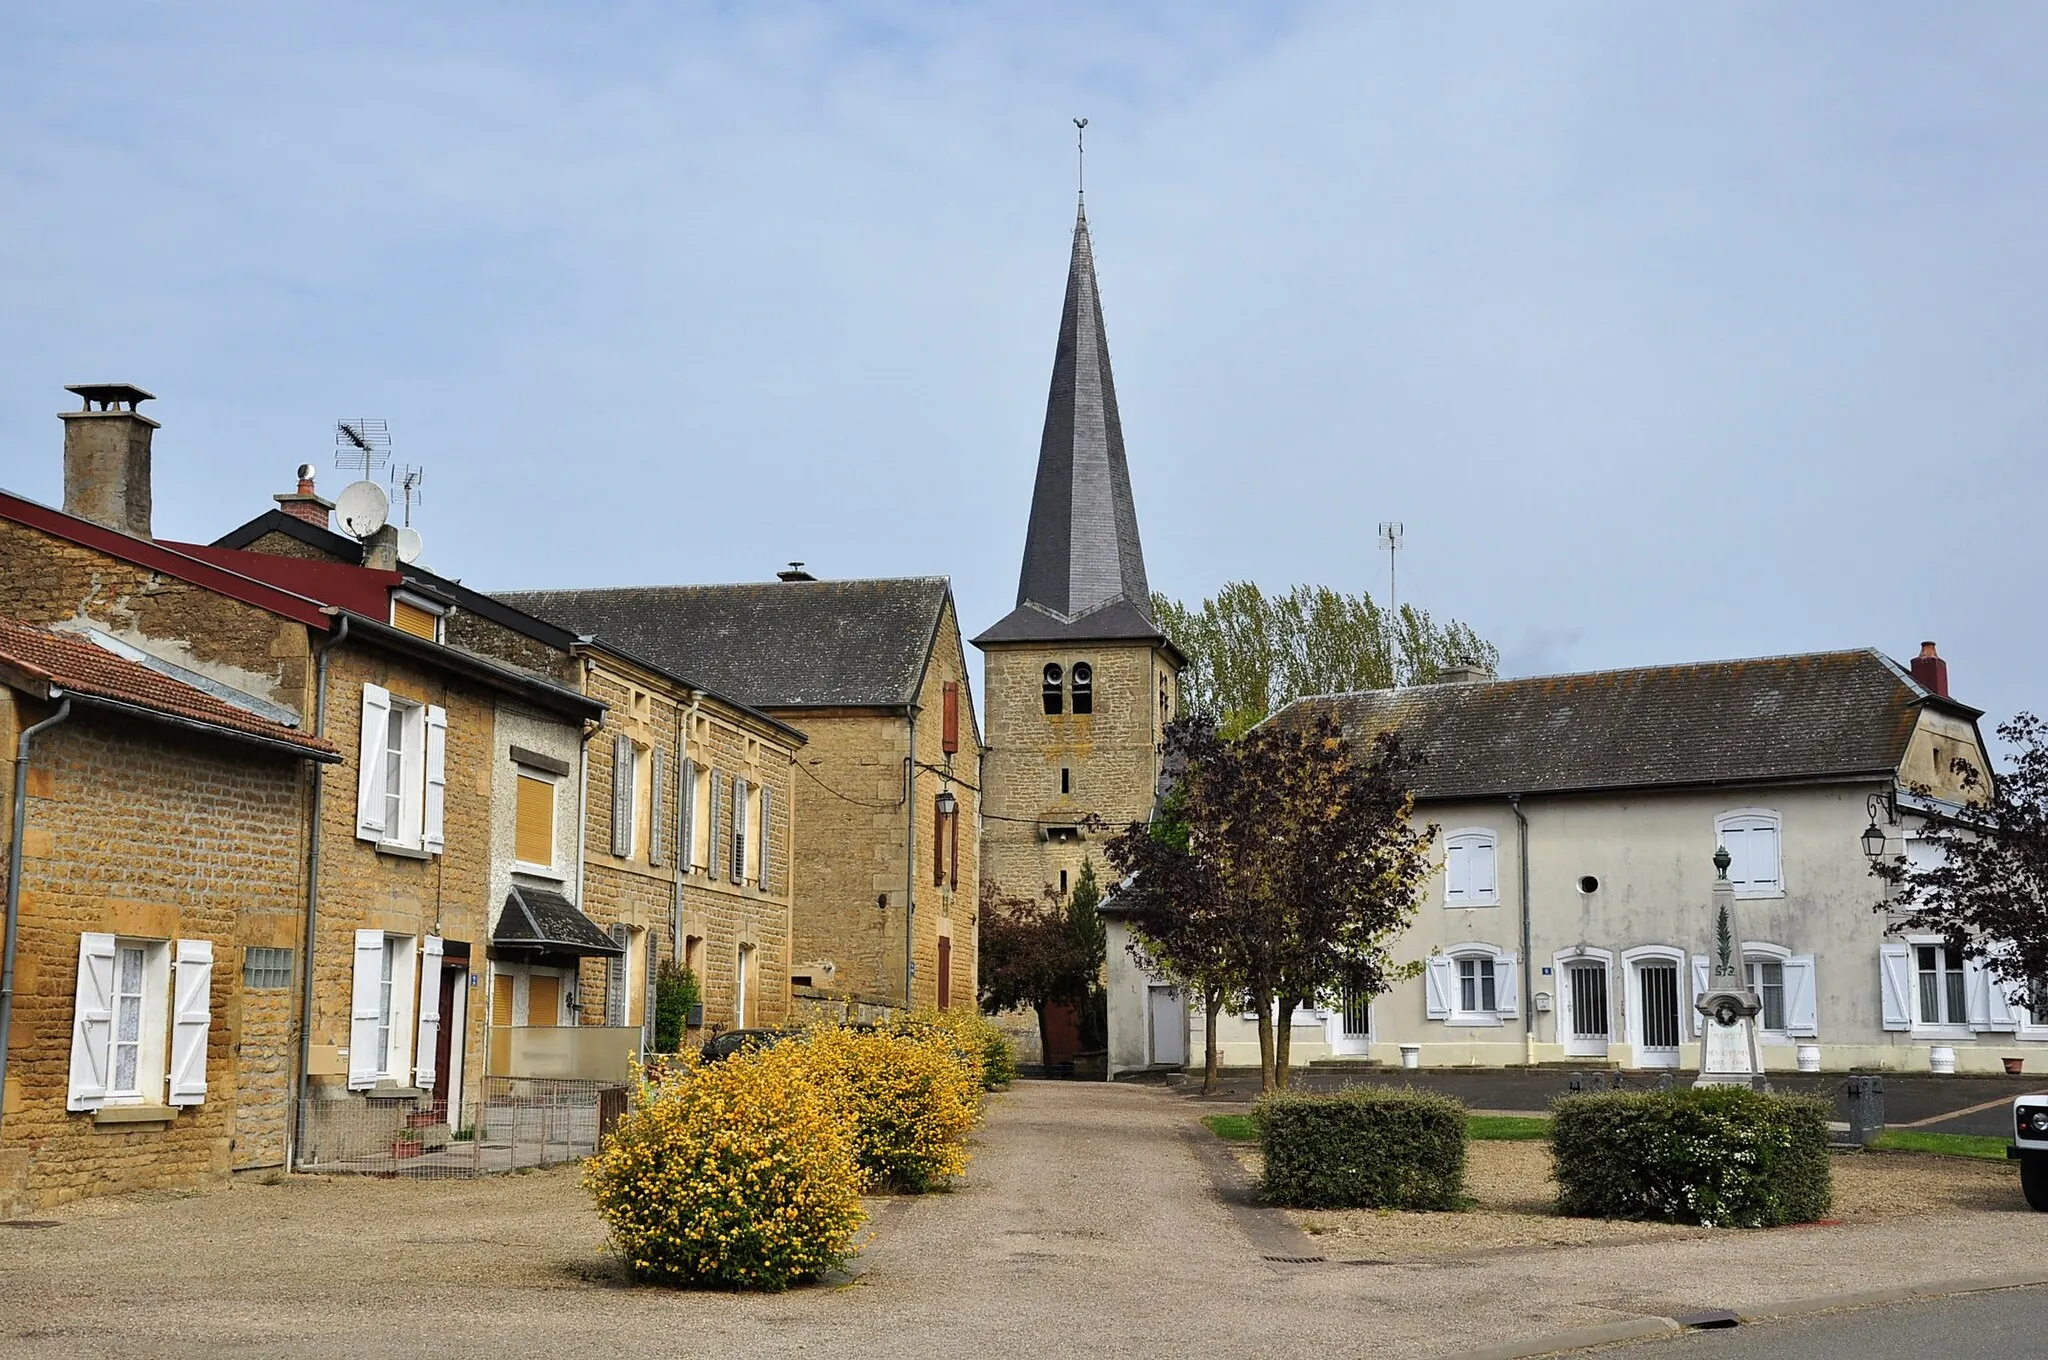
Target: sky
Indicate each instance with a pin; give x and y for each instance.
(1669, 332)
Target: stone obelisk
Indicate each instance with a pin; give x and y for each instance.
(1729, 1055)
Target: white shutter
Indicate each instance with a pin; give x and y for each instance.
(615, 977)
(657, 806)
(2001, 1017)
(1700, 964)
(1895, 977)
(1439, 985)
(686, 856)
(622, 795)
(1985, 1000)
(362, 1011)
(1801, 1000)
(1764, 859)
(430, 1013)
(1457, 872)
(739, 830)
(370, 765)
(768, 811)
(92, 1022)
(437, 777)
(1480, 869)
(191, 1016)
(1507, 984)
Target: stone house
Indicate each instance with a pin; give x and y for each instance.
(1578, 816)
(154, 887)
(690, 841)
(874, 674)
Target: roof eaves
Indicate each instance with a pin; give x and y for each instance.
(598, 644)
(301, 748)
(541, 693)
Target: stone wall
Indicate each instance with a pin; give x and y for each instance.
(149, 832)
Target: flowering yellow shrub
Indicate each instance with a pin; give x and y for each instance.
(908, 1099)
(975, 1040)
(735, 1175)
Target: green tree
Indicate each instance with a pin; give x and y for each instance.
(1250, 654)
(1090, 943)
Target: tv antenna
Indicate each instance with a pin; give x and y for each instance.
(405, 480)
(364, 445)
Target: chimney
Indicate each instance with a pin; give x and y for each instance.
(303, 503)
(106, 457)
(380, 550)
(1463, 673)
(794, 572)
(1930, 671)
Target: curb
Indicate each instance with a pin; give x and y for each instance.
(1650, 1328)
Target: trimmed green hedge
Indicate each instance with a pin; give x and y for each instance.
(1368, 1147)
(1723, 1156)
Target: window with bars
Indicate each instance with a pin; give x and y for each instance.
(265, 969)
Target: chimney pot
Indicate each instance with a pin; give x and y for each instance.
(106, 457)
(380, 550)
(1929, 671)
(794, 572)
(1463, 673)
(305, 503)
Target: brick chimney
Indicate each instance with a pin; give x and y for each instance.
(303, 503)
(1930, 671)
(106, 457)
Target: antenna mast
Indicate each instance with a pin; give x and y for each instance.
(1081, 157)
(1391, 531)
(405, 480)
(362, 442)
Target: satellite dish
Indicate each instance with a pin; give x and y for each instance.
(409, 544)
(362, 507)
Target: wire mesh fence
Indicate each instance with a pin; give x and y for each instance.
(517, 1122)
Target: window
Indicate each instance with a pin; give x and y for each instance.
(1750, 835)
(949, 717)
(1084, 687)
(945, 972)
(714, 791)
(401, 773)
(743, 995)
(1055, 699)
(1938, 989)
(265, 969)
(139, 1022)
(393, 1021)
(1471, 984)
(1063, 883)
(533, 834)
(1475, 985)
(1767, 980)
(692, 853)
(1469, 877)
(742, 813)
(945, 843)
(1066, 779)
(1165, 700)
(657, 806)
(410, 617)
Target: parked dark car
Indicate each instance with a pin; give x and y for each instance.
(719, 1047)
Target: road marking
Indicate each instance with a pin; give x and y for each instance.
(1954, 1114)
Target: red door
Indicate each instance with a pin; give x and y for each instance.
(945, 972)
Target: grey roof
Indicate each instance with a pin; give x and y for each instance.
(772, 644)
(543, 920)
(1774, 719)
(1081, 550)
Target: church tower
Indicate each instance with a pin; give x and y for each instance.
(1079, 682)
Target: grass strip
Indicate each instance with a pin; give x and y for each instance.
(1493, 1128)
(1975, 1145)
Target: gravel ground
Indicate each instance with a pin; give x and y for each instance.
(1511, 1182)
(1089, 1224)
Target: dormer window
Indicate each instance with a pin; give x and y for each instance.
(1054, 697)
(1084, 687)
(410, 614)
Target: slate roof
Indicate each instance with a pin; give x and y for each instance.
(542, 919)
(1769, 720)
(1081, 549)
(50, 664)
(773, 644)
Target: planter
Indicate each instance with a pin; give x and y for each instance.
(1809, 1057)
(2014, 1066)
(1411, 1056)
(422, 1119)
(1941, 1061)
(403, 1149)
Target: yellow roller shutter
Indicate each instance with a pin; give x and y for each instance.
(410, 618)
(534, 834)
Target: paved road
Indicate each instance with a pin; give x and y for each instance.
(1936, 1104)
(2010, 1324)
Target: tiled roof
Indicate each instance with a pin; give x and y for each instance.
(542, 919)
(1774, 719)
(774, 644)
(40, 661)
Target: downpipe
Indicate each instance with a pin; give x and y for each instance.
(1528, 960)
(291, 1155)
(21, 750)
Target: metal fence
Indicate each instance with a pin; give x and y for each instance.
(519, 1122)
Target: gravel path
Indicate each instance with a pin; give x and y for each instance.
(1088, 1223)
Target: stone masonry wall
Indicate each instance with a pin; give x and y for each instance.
(144, 831)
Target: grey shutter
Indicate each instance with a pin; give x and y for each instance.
(615, 977)
(622, 794)
(739, 830)
(686, 856)
(647, 1009)
(711, 824)
(767, 812)
(657, 806)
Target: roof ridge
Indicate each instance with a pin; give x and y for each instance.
(1468, 685)
(725, 585)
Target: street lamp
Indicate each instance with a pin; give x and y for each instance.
(948, 804)
(1873, 835)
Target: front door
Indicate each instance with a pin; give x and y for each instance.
(1585, 1010)
(1657, 994)
(1169, 1026)
(1350, 1029)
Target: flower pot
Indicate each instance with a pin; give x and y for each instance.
(1809, 1057)
(1411, 1056)
(1941, 1061)
(402, 1149)
(2014, 1066)
(422, 1119)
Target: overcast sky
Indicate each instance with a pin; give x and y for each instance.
(1671, 332)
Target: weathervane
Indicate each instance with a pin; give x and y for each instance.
(1081, 156)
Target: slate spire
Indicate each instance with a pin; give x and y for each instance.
(1081, 550)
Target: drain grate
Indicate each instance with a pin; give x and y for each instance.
(1297, 1260)
(1708, 1321)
